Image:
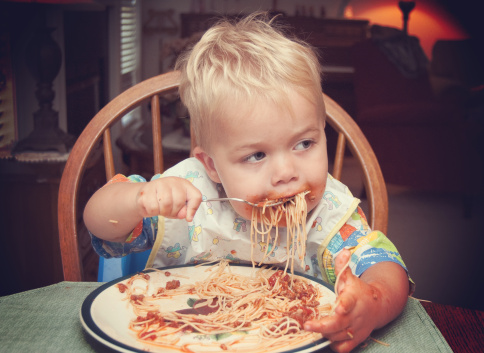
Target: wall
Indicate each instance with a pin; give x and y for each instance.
(429, 20)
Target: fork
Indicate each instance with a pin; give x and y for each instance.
(260, 204)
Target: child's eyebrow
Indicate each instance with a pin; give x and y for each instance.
(295, 135)
(308, 130)
(249, 146)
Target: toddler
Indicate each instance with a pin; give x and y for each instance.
(255, 104)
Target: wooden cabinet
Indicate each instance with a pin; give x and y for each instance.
(28, 220)
(28, 223)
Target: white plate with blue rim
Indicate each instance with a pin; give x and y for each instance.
(105, 315)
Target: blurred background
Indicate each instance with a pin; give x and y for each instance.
(409, 72)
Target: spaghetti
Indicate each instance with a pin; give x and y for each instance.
(270, 305)
(266, 217)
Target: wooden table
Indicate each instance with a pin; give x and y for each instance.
(462, 328)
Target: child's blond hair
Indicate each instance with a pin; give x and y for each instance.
(244, 61)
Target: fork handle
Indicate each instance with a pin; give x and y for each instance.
(223, 199)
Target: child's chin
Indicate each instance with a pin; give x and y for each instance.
(281, 223)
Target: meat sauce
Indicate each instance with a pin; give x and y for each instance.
(296, 290)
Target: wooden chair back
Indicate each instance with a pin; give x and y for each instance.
(150, 90)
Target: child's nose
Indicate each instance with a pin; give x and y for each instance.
(284, 171)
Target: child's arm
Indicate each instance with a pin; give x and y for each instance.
(364, 303)
(114, 210)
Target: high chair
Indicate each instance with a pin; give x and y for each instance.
(149, 91)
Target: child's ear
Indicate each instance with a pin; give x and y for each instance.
(207, 162)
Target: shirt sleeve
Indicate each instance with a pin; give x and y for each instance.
(141, 238)
(367, 247)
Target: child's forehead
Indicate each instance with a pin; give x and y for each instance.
(249, 105)
(258, 115)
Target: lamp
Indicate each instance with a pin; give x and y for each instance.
(44, 59)
(406, 7)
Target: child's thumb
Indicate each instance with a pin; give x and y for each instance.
(341, 261)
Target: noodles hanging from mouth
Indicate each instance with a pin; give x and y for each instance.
(265, 218)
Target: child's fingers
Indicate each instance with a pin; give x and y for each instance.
(188, 202)
(149, 202)
(342, 270)
(175, 198)
(346, 304)
(341, 260)
(193, 201)
(189, 209)
(192, 207)
(167, 205)
(343, 335)
(345, 345)
(177, 202)
(328, 325)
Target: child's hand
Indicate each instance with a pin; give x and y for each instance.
(170, 197)
(356, 313)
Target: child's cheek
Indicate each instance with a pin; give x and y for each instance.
(315, 196)
(242, 209)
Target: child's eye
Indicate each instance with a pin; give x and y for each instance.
(256, 157)
(304, 145)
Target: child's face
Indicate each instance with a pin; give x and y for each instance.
(269, 153)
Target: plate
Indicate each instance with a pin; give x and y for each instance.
(106, 316)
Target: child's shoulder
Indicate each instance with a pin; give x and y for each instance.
(190, 167)
(333, 184)
(193, 170)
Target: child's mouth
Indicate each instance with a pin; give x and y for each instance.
(271, 202)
